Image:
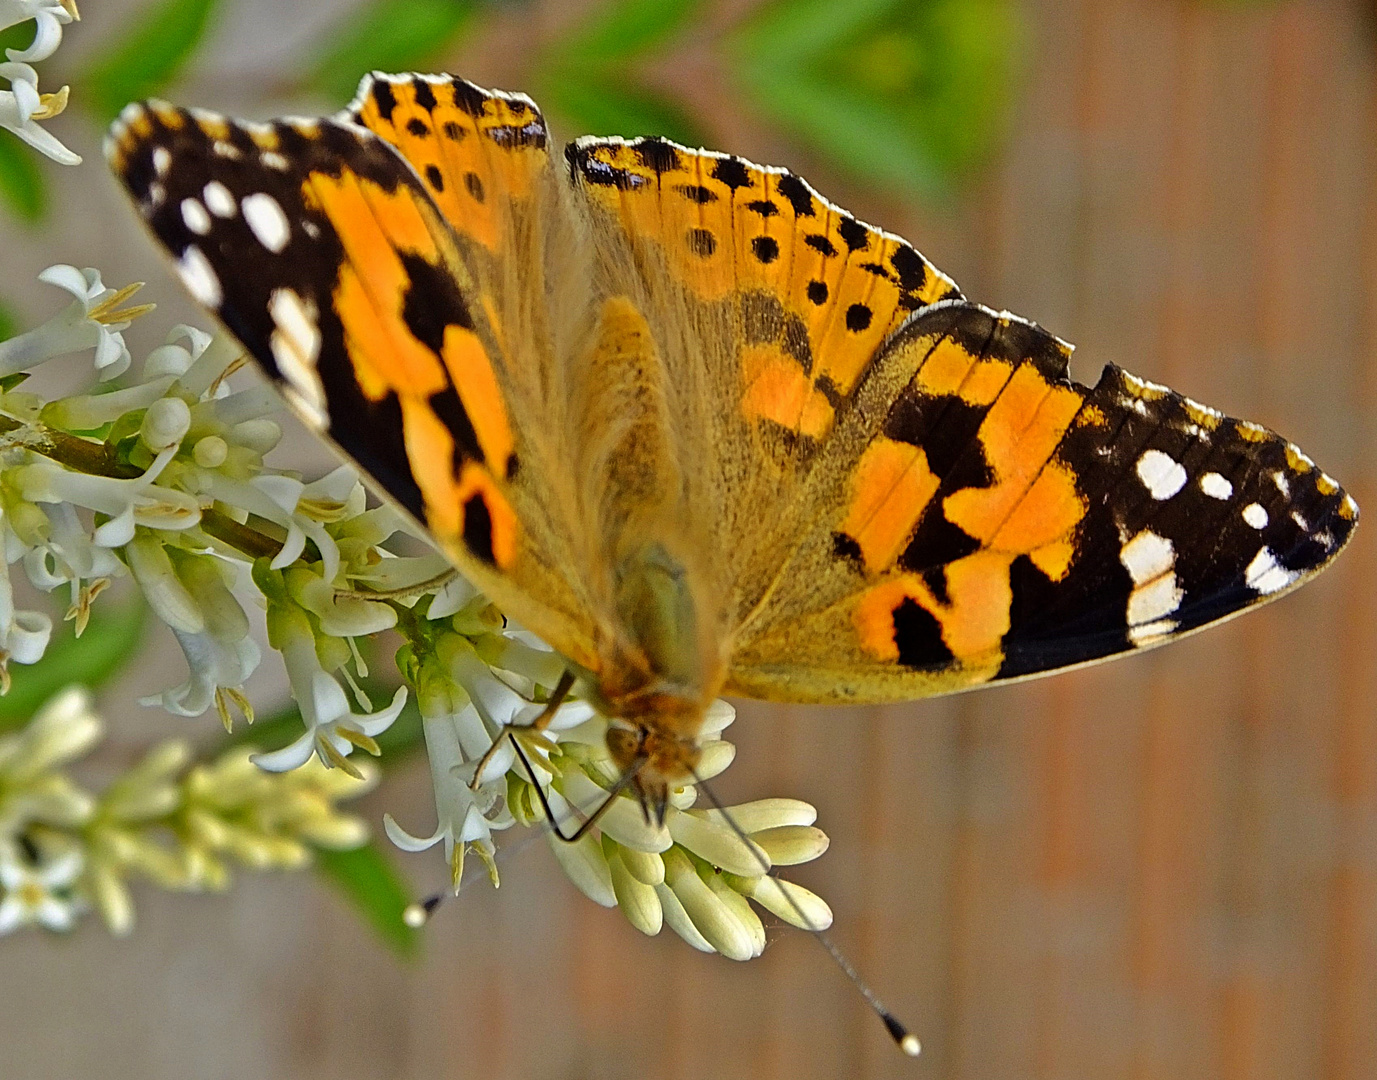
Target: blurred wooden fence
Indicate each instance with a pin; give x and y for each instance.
(1166, 867)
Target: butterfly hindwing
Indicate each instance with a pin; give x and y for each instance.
(1002, 521)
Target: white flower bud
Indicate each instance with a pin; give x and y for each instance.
(164, 591)
(770, 893)
(644, 866)
(717, 755)
(718, 923)
(587, 867)
(210, 452)
(738, 906)
(789, 845)
(638, 901)
(165, 423)
(623, 820)
(678, 919)
(717, 844)
(753, 817)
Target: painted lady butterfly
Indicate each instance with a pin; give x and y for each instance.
(699, 428)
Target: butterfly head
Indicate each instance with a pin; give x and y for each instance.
(658, 758)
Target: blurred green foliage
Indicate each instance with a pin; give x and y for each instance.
(9, 322)
(148, 55)
(387, 35)
(366, 877)
(913, 94)
(369, 881)
(23, 188)
(589, 78)
(111, 640)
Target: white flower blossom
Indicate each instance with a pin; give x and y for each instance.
(49, 16)
(94, 318)
(332, 728)
(34, 894)
(22, 106)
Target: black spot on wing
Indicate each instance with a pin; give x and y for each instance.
(763, 207)
(469, 98)
(796, 191)
(478, 528)
(733, 172)
(765, 248)
(696, 193)
(418, 127)
(821, 244)
(657, 154)
(919, 638)
(384, 98)
(701, 242)
(433, 302)
(425, 96)
(854, 234)
(435, 178)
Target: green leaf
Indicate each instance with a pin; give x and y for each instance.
(388, 35)
(913, 95)
(110, 642)
(9, 326)
(370, 882)
(147, 56)
(23, 188)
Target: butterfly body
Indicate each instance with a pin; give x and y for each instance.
(701, 429)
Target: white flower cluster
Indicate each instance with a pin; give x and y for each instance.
(64, 849)
(164, 479)
(22, 106)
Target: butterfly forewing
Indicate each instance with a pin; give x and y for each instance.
(324, 254)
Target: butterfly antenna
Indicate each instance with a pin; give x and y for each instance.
(904, 1039)
(623, 782)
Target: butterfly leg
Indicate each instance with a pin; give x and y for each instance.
(535, 727)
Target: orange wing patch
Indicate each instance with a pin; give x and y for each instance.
(819, 291)
(997, 418)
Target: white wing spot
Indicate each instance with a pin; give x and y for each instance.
(1147, 556)
(295, 346)
(198, 276)
(1151, 633)
(310, 228)
(162, 160)
(1150, 561)
(219, 200)
(226, 150)
(1255, 516)
(1265, 575)
(273, 160)
(157, 195)
(1153, 602)
(195, 216)
(1283, 485)
(267, 220)
(1161, 474)
(1216, 486)
(1299, 519)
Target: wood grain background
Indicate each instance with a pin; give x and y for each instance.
(1165, 867)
